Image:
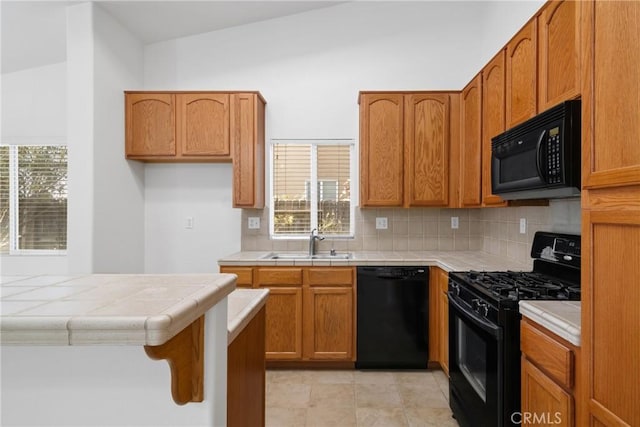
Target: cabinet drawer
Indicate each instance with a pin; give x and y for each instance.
(548, 354)
(279, 276)
(245, 275)
(329, 276)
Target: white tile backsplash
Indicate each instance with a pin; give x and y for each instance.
(492, 230)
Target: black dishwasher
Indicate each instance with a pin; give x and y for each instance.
(393, 317)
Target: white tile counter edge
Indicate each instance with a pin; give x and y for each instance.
(244, 304)
(127, 327)
(560, 317)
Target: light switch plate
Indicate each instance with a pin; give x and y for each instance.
(253, 223)
(523, 226)
(381, 223)
(188, 222)
(455, 222)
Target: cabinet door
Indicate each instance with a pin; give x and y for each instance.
(247, 127)
(543, 399)
(427, 149)
(521, 95)
(558, 53)
(284, 324)
(610, 301)
(150, 124)
(444, 322)
(610, 94)
(435, 322)
(328, 323)
(203, 124)
(381, 150)
(471, 150)
(492, 120)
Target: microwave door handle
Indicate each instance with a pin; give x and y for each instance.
(538, 152)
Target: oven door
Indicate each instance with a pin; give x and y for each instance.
(475, 367)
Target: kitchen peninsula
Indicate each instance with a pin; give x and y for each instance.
(80, 349)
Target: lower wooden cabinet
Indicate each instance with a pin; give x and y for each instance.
(550, 381)
(310, 311)
(544, 399)
(328, 323)
(284, 324)
(246, 376)
(439, 317)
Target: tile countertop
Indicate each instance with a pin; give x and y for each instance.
(108, 309)
(447, 260)
(244, 304)
(560, 317)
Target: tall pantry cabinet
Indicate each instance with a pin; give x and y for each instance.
(611, 212)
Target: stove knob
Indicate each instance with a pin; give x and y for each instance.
(484, 306)
(456, 288)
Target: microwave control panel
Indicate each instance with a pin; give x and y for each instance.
(554, 156)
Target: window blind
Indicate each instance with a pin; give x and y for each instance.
(33, 192)
(311, 188)
(4, 198)
(291, 177)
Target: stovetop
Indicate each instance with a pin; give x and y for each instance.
(555, 276)
(515, 286)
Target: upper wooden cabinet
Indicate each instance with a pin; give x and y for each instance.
(471, 143)
(203, 124)
(381, 149)
(150, 124)
(493, 120)
(169, 126)
(201, 127)
(521, 95)
(404, 149)
(247, 127)
(610, 94)
(558, 53)
(427, 149)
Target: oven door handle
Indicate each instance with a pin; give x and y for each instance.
(490, 328)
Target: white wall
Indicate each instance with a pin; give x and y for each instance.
(106, 198)
(34, 104)
(118, 236)
(34, 111)
(174, 192)
(500, 21)
(310, 68)
(80, 137)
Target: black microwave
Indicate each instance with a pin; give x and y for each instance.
(540, 158)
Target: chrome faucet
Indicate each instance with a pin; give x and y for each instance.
(312, 242)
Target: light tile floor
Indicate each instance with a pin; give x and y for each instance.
(347, 398)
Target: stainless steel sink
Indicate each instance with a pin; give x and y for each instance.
(301, 256)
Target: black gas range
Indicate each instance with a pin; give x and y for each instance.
(484, 328)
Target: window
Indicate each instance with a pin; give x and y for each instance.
(33, 199)
(311, 187)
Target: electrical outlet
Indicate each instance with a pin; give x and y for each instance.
(455, 222)
(523, 225)
(188, 222)
(381, 223)
(254, 223)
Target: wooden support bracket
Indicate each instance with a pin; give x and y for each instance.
(185, 354)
